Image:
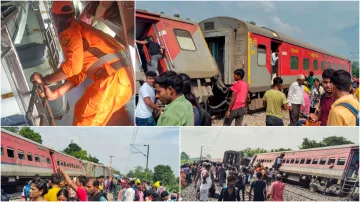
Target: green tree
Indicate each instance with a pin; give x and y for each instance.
(307, 144)
(177, 15)
(335, 140)
(12, 129)
(76, 151)
(252, 22)
(93, 159)
(184, 156)
(164, 174)
(355, 68)
(28, 133)
(248, 152)
(140, 173)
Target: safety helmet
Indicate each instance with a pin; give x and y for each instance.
(62, 7)
(137, 181)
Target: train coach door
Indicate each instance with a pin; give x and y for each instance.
(350, 168)
(276, 69)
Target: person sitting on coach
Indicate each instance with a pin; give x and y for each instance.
(83, 46)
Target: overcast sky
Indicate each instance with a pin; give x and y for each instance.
(333, 26)
(105, 141)
(216, 140)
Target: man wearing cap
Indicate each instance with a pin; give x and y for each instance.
(296, 99)
(83, 46)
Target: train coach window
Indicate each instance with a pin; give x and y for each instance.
(341, 161)
(29, 156)
(297, 160)
(302, 161)
(284, 160)
(294, 62)
(334, 66)
(322, 65)
(42, 159)
(184, 39)
(58, 163)
(322, 161)
(306, 63)
(261, 55)
(48, 160)
(315, 161)
(331, 161)
(328, 65)
(2, 151)
(292, 160)
(10, 152)
(288, 160)
(21, 155)
(37, 159)
(315, 65)
(340, 67)
(308, 161)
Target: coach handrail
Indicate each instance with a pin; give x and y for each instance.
(167, 50)
(137, 50)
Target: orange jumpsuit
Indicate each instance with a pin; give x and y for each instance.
(105, 95)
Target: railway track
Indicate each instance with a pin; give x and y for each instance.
(291, 193)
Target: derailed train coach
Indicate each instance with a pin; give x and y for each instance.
(22, 159)
(237, 44)
(327, 169)
(185, 50)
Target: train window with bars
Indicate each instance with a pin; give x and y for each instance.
(297, 160)
(331, 160)
(29, 156)
(322, 161)
(328, 65)
(340, 67)
(308, 161)
(48, 160)
(42, 159)
(315, 161)
(10, 152)
(261, 55)
(315, 65)
(302, 161)
(294, 62)
(322, 65)
(21, 154)
(341, 161)
(184, 39)
(37, 159)
(292, 160)
(2, 151)
(306, 63)
(288, 160)
(284, 160)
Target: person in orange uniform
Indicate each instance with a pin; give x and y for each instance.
(83, 46)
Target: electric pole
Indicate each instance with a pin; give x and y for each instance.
(111, 161)
(146, 155)
(201, 152)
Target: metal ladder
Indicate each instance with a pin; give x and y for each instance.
(349, 185)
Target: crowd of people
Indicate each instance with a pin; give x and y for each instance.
(60, 187)
(332, 102)
(174, 91)
(265, 183)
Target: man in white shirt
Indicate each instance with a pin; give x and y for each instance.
(146, 105)
(274, 65)
(130, 192)
(296, 99)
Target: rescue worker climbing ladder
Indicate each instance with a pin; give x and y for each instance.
(89, 53)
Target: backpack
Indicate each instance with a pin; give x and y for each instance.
(240, 182)
(352, 109)
(27, 191)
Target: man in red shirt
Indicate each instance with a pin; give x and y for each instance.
(326, 100)
(78, 187)
(239, 93)
(276, 192)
